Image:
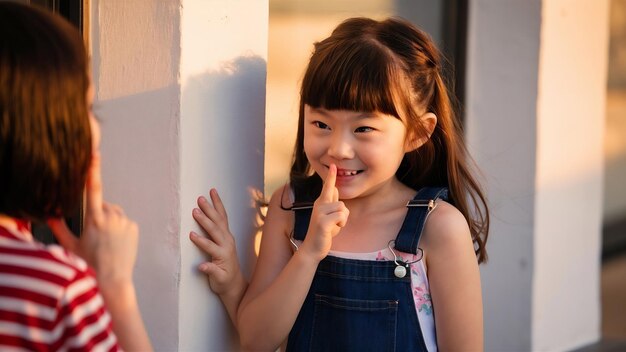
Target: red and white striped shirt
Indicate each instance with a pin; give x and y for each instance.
(49, 299)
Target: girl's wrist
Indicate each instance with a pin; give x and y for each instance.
(307, 258)
(237, 289)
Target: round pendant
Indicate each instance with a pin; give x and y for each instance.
(399, 271)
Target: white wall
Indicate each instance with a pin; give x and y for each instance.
(135, 66)
(502, 59)
(223, 74)
(181, 91)
(568, 213)
(534, 120)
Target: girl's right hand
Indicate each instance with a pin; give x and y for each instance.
(328, 217)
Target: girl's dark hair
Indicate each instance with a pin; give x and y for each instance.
(393, 68)
(45, 136)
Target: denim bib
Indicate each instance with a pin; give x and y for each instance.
(361, 305)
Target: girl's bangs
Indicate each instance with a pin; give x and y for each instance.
(348, 78)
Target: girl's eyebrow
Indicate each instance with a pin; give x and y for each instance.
(320, 111)
(358, 116)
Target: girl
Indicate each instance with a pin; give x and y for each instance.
(49, 140)
(385, 251)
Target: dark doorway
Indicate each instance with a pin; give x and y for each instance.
(72, 10)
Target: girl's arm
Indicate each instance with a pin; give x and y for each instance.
(225, 276)
(454, 280)
(281, 280)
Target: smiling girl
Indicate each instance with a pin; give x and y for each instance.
(375, 242)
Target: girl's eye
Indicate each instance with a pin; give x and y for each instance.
(321, 125)
(363, 129)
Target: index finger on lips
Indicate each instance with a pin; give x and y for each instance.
(94, 188)
(328, 189)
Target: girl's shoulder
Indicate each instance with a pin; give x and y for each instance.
(446, 231)
(279, 212)
(282, 198)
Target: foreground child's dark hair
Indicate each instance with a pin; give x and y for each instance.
(45, 138)
(393, 68)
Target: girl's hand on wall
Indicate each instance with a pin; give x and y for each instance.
(223, 267)
(328, 217)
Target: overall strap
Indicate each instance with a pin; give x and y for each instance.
(302, 211)
(419, 207)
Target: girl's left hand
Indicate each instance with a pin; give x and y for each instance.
(223, 268)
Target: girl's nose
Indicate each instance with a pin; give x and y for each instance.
(340, 148)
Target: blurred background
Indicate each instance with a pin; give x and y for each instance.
(614, 229)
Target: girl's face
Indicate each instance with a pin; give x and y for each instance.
(366, 147)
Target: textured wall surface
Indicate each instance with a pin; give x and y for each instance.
(223, 74)
(136, 50)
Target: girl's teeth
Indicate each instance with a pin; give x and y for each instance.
(346, 173)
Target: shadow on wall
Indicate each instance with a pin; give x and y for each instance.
(226, 109)
(139, 170)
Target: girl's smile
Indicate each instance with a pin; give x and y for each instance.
(346, 176)
(366, 147)
(343, 172)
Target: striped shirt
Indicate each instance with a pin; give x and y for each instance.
(49, 299)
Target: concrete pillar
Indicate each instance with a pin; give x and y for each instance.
(223, 74)
(181, 91)
(535, 117)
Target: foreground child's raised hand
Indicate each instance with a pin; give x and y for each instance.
(109, 244)
(109, 239)
(225, 277)
(328, 217)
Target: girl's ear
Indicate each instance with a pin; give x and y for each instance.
(429, 122)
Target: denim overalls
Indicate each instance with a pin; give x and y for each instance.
(360, 305)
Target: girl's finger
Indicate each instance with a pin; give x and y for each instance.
(217, 203)
(113, 208)
(209, 210)
(209, 226)
(216, 219)
(205, 244)
(63, 234)
(209, 268)
(340, 218)
(94, 189)
(328, 189)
